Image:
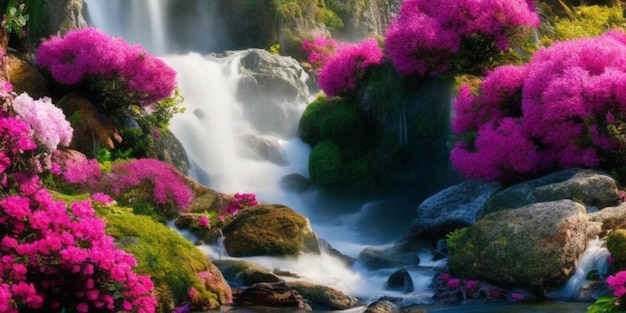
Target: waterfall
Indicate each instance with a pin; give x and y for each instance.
(595, 257)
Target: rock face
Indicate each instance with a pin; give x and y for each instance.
(271, 230)
(612, 218)
(24, 77)
(537, 245)
(66, 15)
(589, 187)
(452, 208)
(274, 112)
(363, 19)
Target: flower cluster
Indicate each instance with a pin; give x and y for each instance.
(121, 71)
(461, 289)
(319, 50)
(149, 180)
(48, 121)
(431, 37)
(617, 282)
(240, 201)
(58, 257)
(341, 71)
(563, 109)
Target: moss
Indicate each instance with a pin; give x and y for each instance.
(340, 124)
(325, 164)
(616, 244)
(309, 127)
(171, 261)
(272, 230)
(585, 21)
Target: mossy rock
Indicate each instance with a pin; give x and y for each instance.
(270, 230)
(172, 262)
(309, 127)
(616, 244)
(325, 164)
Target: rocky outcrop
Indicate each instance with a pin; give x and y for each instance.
(400, 280)
(274, 112)
(451, 208)
(362, 19)
(270, 230)
(245, 274)
(23, 76)
(271, 294)
(611, 218)
(591, 188)
(537, 245)
(66, 15)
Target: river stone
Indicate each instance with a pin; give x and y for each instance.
(612, 218)
(323, 295)
(590, 188)
(400, 280)
(451, 208)
(381, 306)
(376, 258)
(269, 230)
(537, 245)
(245, 273)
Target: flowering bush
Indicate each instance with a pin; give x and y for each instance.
(57, 257)
(429, 38)
(319, 50)
(49, 123)
(564, 109)
(240, 201)
(341, 71)
(122, 74)
(148, 181)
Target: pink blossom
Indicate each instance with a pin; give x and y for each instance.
(102, 198)
(453, 283)
(204, 222)
(517, 297)
(444, 277)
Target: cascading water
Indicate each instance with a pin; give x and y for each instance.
(210, 131)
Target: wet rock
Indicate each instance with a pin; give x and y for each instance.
(295, 182)
(270, 230)
(271, 294)
(451, 208)
(244, 273)
(375, 258)
(266, 148)
(612, 218)
(537, 245)
(381, 306)
(400, 280)
(323, 295)
(590, 188)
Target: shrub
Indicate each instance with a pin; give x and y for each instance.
(121, 75)
(429, 38)
(342, 70)
(564, 109)
(57, 257)
(149, 181)
(319, 50)
(325, 164)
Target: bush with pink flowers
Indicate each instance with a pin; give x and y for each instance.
(564, 109)
(319, 50)
(342, 70)
(429, 38)
(148, 181)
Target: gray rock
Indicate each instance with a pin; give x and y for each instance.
(295, 182)
(375, 258)
(400, 280)
(66, 15)
(381, 306)
(537, 245)
(590, 188)
(263, 148)
(273, 91)
(454, 207)
(245, 273)
(323, 295)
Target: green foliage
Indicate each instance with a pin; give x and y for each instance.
(604, 304)
(274, 49)
(288, 9)
(38, 19)
(15, 18)
(164, 111)
(453, 239)
(171, 260)
(309, 127)
(330, 19)
(616, 244)
(585, 21)
(325, 164)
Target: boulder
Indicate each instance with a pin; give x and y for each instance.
(616, 244)
(400, 280)
(241, 273)
(451, 208)
(381, 306)
(271, 230)
(274, 112)
(263, 148)
(323, 295)
(536, 246)
(376, 258)
(65, 15)
(612, 218)
(295, 183)
(271, 294)
(591, 188)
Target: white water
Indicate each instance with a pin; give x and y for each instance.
(209, 131)
(595, 258)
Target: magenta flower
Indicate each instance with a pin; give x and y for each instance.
(453, 283)
(102, 198)
(517, 297)
(617, 282)
(342, 70)
(204, 222)
(444, 277)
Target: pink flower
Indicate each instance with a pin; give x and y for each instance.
(191, 293)
(453, 283)
(102, 198)
(204, 222)
(517, 297)
(444, 277)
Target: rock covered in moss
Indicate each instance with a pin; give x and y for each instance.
(324, 295)
(174, 264)
(272, 230)
(536, 245)
(612, 218)
(616, 244)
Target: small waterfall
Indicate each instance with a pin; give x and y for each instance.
(595, 257)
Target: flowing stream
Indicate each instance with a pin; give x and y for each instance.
(210, 130)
